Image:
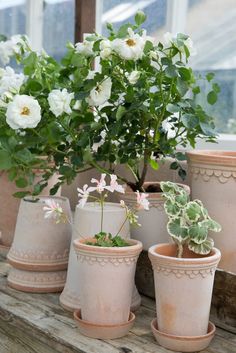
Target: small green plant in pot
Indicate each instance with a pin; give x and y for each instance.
(184, 273)
(107, 261)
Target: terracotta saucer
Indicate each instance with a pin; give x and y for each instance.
(103, 331)
(183, 343)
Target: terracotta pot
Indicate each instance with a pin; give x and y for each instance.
(213, 180)
(87, 221)
(183, 288)
(8, 213)
(107, 275)
(153, 222)
(39, 244)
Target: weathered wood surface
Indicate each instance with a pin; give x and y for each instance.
(35, 323)
(223, 310)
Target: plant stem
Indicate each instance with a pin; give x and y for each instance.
(180, 250)
(102, 206)
(122, 225)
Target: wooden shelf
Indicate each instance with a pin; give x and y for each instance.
(31, 323)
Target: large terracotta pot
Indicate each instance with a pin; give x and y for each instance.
(107, 275)
(40, 249)
(10, 207)
(183, 288)
(153, 222)
(87, 221)
(213, 180)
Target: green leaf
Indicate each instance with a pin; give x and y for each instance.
(212, 97)
(182, 86)
(210, 76)
(34, 86)
(21, 194)
(21, 183)
(198, 233)
(174, 166)
(123, 30)
(207, 129)
(177, 231)
(148, 46)
(171, 209)
(180, 156)
(140, 17)
(203, 248)
(170, 71)
(193, 211)
(153, 163)
(120, 112)
(212, 225)
(5, 160)
(172, 108)
(190, 121)
(185, 73)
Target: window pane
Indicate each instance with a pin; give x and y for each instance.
(212, 26)
(12, 17)
(58, 26)
(119, 12)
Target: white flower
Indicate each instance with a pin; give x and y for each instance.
(11, 47)
(114, 186)
(10, 81)
(106, 49)
(77, 105)
(23, 112)
(133, 77)
(91, 74)
(169, 39)
(59, 101)
(122, 203)
(96, 145)
(130, 48)
(53, 210)
(84, 194)
(85, 48)
(189, 44)
(142, 201)
(101, 184)
(101, 93)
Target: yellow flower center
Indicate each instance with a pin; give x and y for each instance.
(130, 42)
(25, 111)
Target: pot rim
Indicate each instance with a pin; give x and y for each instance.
(220, 157)
(202, 259)
(41, 198)
(95, 207)
(79, 246)
(153, 195)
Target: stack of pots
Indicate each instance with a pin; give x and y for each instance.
(40, 249)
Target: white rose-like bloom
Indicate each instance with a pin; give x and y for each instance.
(12, 46)
(23, 112)
(130, 48)
(85, 48)
(10, 81)
(59, 101)
(133, 77)
(169, 39)
(106, 49)
(101, 93)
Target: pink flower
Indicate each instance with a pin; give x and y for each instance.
(84, 194)
(53, 210)
(114, 186)
(142, 201)
(100, 184)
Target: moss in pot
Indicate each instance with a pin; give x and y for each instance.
(184, 273)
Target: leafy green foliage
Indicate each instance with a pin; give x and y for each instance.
(189, 222)
(103, 239)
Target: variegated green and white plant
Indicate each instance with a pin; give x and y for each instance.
(189, 222)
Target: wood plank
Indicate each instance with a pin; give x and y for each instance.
(85, 15)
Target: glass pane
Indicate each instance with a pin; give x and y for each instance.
(12, 17)
(119, 12)
(212, 26)
(58, 26)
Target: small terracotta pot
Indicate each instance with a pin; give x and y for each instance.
(87, 221)
(153, 222)
(183, 288)
(40, 244)
(8, 213)
(107, 275)
(213, 181)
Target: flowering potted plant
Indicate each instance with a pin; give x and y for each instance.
(186, 268)
(89, 218)
(105, 257)
(143, 99)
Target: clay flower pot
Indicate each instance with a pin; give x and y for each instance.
(39, 244)
(183, 288)
(87, 221)
(8, 213)
(212, 180)
(153, 223)
(107, 275)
